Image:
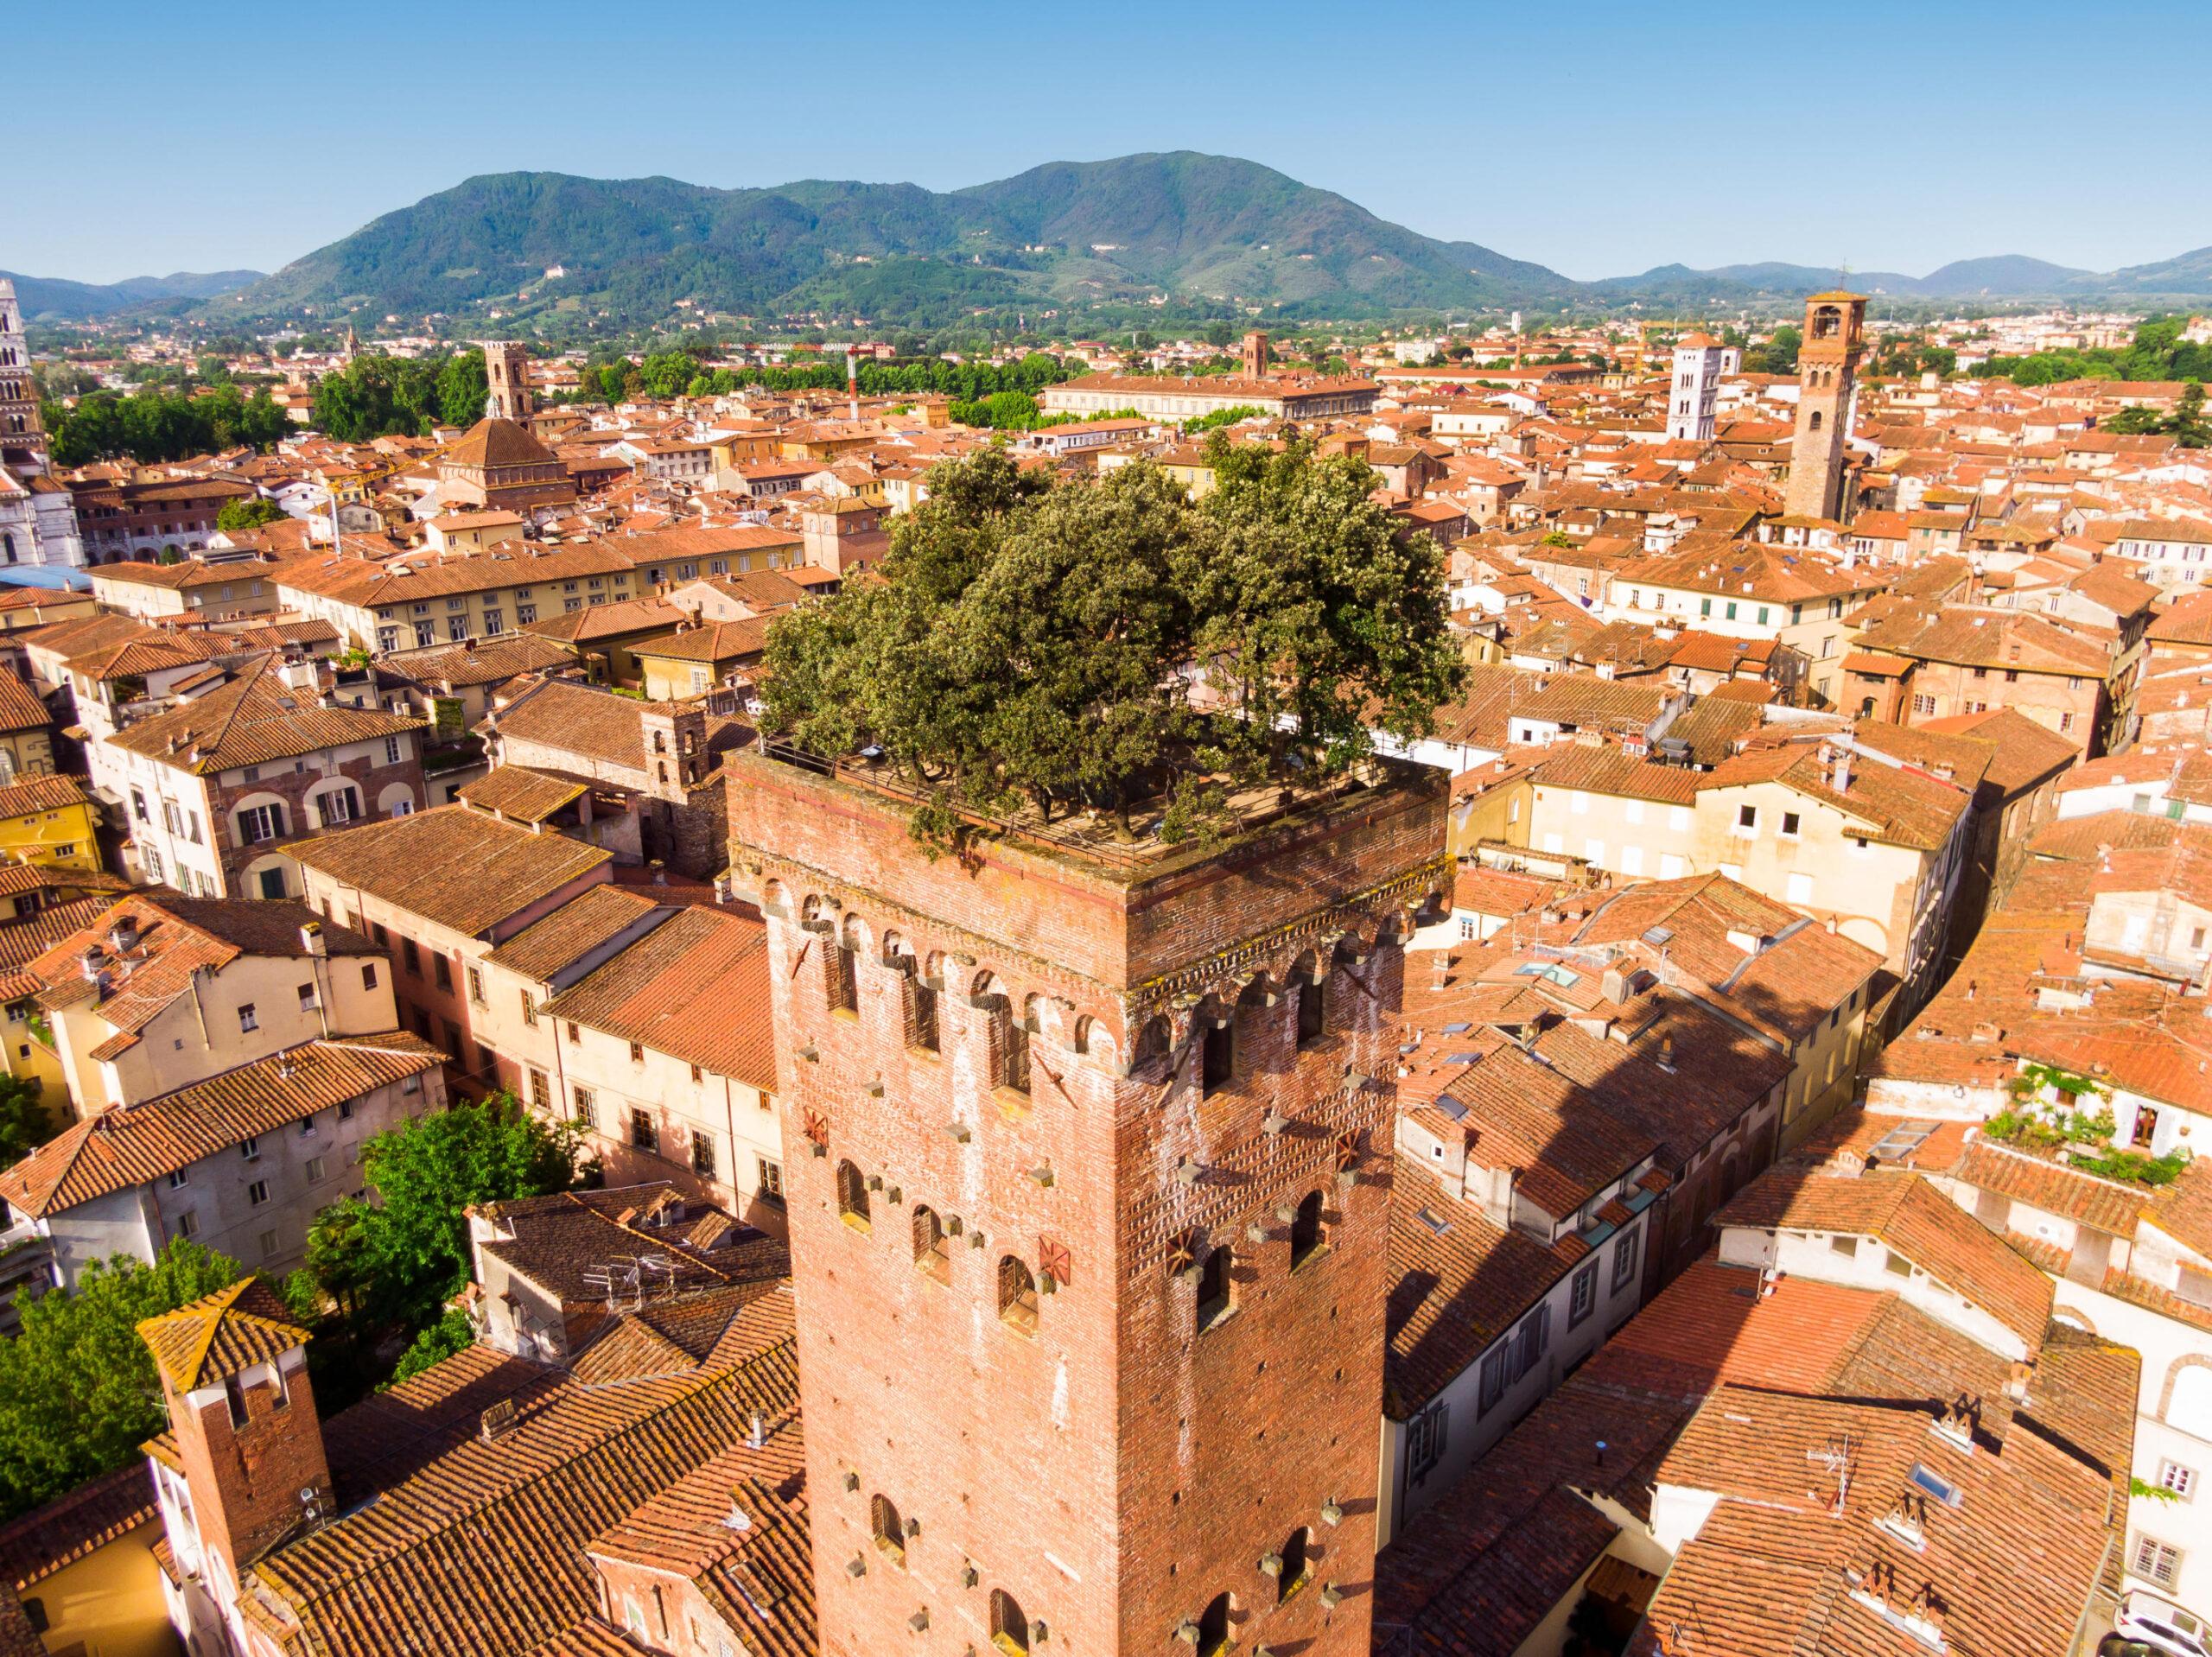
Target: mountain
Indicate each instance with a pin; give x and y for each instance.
(1205, 229)
(59, 298)
(2188, 276)
(2007, 273)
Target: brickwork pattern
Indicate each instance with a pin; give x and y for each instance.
(1101, 1460)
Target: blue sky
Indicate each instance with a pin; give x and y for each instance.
(1596, 138)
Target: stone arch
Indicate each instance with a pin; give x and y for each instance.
(853, 933)
(250, 877)
(1859, 929)
(396, 800)
(776, 899)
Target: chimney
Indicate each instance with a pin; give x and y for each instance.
(312, 940)
(123, 936)
(1839, 778)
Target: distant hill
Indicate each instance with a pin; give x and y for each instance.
(57, 297)
(1195, 227)
(1205, 235)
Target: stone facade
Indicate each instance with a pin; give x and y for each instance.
(1088, 1214)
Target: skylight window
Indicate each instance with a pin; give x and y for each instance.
(1936, 1485)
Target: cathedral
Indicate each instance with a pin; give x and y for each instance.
(38, 517)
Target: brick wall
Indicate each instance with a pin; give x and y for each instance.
(1111, 1468)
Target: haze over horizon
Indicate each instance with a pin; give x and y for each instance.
(1599, 147)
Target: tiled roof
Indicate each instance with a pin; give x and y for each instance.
(50, 792)
(222, 1334)
(494, 443)
(177, 937)
(106, 647)
(708, 641)
(35, 1545)
(478, 661)
(1458, 1282)
(580, 718)
(255, 719)
(695, 988)
(20, 707)
(1905, 1211)
(521, 795)
(453, 866)
(134, 1144)
(434, 1558)
(585, 922)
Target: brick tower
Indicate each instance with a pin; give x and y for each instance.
(506, 374)
(1826, 363)
(248, 1445)
(1255, 355)
(1088, 1165)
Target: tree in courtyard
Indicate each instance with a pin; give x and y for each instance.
(249, 512)
(25, 1122)
(463, 386)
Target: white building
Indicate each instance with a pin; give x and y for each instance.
(1694, 389)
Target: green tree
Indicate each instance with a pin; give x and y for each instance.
(2187, 426)
(450, 1334)
(249, 512)
(463, 388)
(1323, 613)
(25, 1122)
(78, 1393)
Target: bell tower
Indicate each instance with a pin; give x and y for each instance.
(1828, 363)
(1255, 355)
(506, 377)
(22, 441)
(1088, 1161)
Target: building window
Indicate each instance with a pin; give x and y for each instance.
(2182, 1481)
(638, 1052)
(1213, 1627)
(308, 999)
(840, 971)
(1747, 816)
(1217, 1047)
(179, 1179)
(187, 1224)
(529, 1009)
(702, 1154)
(1582, 1295)
(1312, 1004)
(771, 1188)
(441, 969)
(260, 823)
(1009, 1628)
(339, 805)
(368, 976)
(1424, 1440)
(1624, 1260)
(587, 1113)
(1305, 1234)
(258, 1193)
(314, 1170)
(1789, 822)
(923, 1030)
(890, 1530)
(476, 986)
(644, 1134)
(412, 956)
(391, 750)
(852, 1197)
(541, 1090)
(2155, 1561)
(1296, 1566)
(246, 1019)
(1017, 1296)
(1217, 1297)
(933, 1252)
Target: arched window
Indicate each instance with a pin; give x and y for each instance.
(852, 1196)
(924, 1028)
(1312, 999)
(1216, 1292)
(841, 968)
(890, 1530)
(1008, 1038)
(1017, 1296)
(1305, 1236)
(1154, 1042)
(1217, 1044)
(1083, 1027)
(1213, 1627)
(1814, 424)
(1009, 1628)
(1296, 1567)
(932, 1254)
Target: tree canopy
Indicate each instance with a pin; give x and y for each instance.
(162, 425)
(391, 1265)
(78, 1393)
(1072, 643)
(249, 512)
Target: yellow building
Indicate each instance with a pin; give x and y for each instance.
(49, 820)
(82, 1568)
